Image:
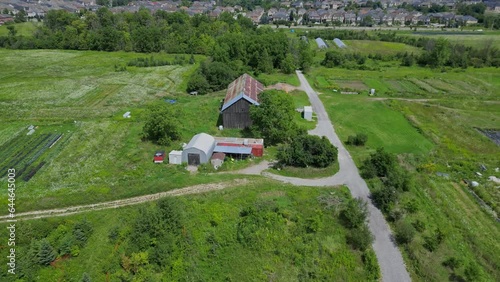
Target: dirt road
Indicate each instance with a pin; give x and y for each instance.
(202, 188)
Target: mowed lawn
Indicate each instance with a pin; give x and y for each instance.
(385, 127)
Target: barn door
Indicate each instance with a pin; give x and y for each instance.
(193, 159)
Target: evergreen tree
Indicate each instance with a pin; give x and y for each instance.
(46, 253)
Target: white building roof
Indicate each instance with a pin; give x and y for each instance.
(201, 141)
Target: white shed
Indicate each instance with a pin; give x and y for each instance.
(308, 112)
(175, 157)
(199, 149)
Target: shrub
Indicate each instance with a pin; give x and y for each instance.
(360, 238)
(434, 240)
(308, 150)
(354, 213)
(357, 140)
(404, 232)
(82, 231)
(371, 265)
(452, 263)
(472, 272)
(378, 164)
(161, 125)
(385, 198)
(419, 225)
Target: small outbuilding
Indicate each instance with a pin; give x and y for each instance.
(175, 157)
(199, 149)
(308, 112)
(217, 159)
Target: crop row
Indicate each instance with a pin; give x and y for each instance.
(52, 138)
(30, 152)
(20, 150)
(33, 171)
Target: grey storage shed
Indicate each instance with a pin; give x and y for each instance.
(199, 149)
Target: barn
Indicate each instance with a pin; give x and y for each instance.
(240, 95)
(199, 150)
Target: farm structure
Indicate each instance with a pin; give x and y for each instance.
(203, 147)
(199, 150)
(339, 43)
(175, 157)
(308, 111)
(240, 96)
(256, 145)
(321, 43)
(217, 159)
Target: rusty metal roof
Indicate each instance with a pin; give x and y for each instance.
(245, 87)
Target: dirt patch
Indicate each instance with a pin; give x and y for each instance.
(283, 87)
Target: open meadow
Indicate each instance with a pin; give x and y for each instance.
(260, 231)
(430, 120)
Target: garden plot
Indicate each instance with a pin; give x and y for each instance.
(444, 86)
(352, 84)
(424, 86)
(29, 153)
(405, 86)
(98, 95)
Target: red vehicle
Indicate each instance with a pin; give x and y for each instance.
(159, 157)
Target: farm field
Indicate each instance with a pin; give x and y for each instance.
(410, 82)
(260, 230)
(100, 155)
(431, 132)
(378, 47)
(468, 38)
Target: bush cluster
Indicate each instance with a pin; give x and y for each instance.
(357, 140)
(308, 150)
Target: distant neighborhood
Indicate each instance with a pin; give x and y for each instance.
(327, 12)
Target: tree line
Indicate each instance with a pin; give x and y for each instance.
(436, 52)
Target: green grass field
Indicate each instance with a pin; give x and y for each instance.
(24, 29)
(211, 246)
(434, 134)
(468, 38)
(270, 79)
(377, 47)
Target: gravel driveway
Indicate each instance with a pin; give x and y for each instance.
(389, 257)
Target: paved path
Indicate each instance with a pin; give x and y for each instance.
(389, 258)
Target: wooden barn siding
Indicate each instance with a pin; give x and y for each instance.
(237, 115)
